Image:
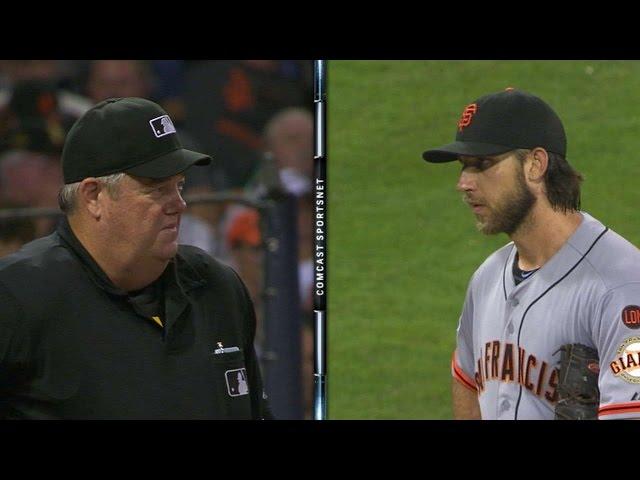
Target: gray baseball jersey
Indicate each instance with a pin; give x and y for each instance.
(508, 336)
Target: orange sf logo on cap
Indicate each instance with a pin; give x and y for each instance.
(467, 114)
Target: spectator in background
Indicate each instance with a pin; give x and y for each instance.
(49, 73)
(13, 71)
(33, 127)
(168, 89)
(244, 241)
(288, 138)
(159, 80)
(118, 78)
(31, 179)
(228, 104)
(34, 118)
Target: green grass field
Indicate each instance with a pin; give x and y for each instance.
(402, 245)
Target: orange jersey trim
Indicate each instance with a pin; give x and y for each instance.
(616, 408)
(460, 376)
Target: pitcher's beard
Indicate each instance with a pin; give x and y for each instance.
(509, 214)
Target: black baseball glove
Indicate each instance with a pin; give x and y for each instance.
(578, 394)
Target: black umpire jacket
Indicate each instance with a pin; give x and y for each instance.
(73, 347)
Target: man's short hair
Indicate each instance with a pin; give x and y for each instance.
(561, 181)
(68, 193)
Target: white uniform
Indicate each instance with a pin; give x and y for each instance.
(508, 336)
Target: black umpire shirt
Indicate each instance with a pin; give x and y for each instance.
(73, 346)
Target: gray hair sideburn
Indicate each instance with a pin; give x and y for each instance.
(68, 193)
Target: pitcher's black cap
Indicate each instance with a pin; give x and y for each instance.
(500, 122)
(131, 135)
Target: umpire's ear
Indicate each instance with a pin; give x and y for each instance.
(88, 196)
(536, 165)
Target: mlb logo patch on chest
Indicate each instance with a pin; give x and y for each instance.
(237, 382)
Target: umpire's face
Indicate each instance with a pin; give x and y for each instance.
(144, 217)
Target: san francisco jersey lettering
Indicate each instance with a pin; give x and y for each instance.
(509, 335)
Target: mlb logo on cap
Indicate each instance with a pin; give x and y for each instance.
(95, 146)
(237, 382)
(162, 126)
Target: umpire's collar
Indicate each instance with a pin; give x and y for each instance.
(177, 272)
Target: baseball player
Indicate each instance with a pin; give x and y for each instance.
(565, 278)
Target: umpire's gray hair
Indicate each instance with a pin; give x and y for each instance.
(69, 193)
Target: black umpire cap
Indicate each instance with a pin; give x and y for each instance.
(501, 122)
(131, 135)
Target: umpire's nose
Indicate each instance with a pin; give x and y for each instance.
(176, 203)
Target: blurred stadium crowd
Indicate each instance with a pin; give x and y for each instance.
(254, 117)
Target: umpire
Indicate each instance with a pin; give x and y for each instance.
(108, 318)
